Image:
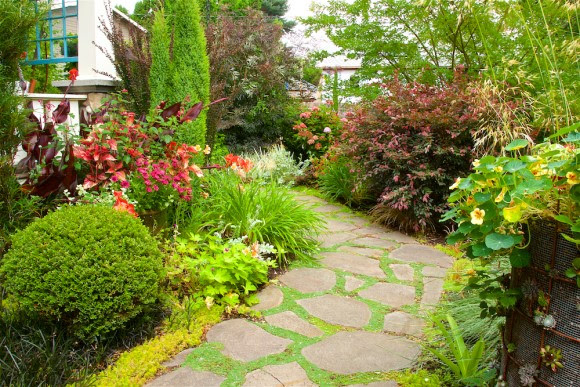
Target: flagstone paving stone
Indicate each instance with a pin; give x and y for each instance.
(333, 239)
(352, 283)
(290, 374)
(364, 338)
(335, 226)
(352, 352)
(245, 341)
(403, 323)
(403, 272)
(338, 310)
(307, 280)
(186, 377)
(422, 254)
(359, 250)
(399, 237)
(432, 289)
(270, 297)
(353, 263)
(437, 272)
(327, 208)
(374, 242)
(290, 321)
(394, 295)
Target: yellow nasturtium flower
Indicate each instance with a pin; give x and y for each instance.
(477, 216)
(476, 163)
(573, 178)
(498, 169)
(513, 214)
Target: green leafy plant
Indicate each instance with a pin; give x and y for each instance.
(503, 193)
(265, 213)
(221, 271)
(90, 267)
(463, 362)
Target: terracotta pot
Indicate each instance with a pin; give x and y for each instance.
(558, 324)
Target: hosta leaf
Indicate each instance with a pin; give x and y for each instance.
(520, 258)
(497, 241)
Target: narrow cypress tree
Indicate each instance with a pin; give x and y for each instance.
(160, 59)
(180, 65)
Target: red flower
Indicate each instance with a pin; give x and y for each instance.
(73, 74)
(123, 205)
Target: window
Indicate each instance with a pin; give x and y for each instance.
(56, 35)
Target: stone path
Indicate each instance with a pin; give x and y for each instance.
(353, 319)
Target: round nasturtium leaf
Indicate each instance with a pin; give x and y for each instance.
(513, 214)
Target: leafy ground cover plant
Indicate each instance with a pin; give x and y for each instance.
(409, 145)
(217, 270)
(90, 267)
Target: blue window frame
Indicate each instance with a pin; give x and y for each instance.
(56, 37)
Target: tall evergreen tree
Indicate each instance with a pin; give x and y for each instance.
(180, 65)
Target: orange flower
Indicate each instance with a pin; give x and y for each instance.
(73, 74)
(121, 204)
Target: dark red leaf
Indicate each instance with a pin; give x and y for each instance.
(171, 111)
(193, 112)
(60, 114)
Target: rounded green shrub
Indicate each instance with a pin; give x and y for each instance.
(89, 267)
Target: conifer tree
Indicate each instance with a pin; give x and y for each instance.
(180, 65)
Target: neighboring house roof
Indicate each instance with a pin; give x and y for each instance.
(127, 19)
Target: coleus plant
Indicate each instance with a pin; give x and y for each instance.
(494, 203)
(112, 149)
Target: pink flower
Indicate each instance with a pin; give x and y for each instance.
(305, 115)
(327, 130)
(125, 184)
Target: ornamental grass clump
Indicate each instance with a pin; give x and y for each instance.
(265, 213)
(91, 268)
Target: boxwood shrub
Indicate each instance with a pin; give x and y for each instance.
(89, 267)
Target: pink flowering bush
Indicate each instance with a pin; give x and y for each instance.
(317, 129)
(409, 145)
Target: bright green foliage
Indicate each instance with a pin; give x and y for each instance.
(90, 267)
(528, 44)
(180, 65)
(465, 363)
(225, 271)
(267, 213)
